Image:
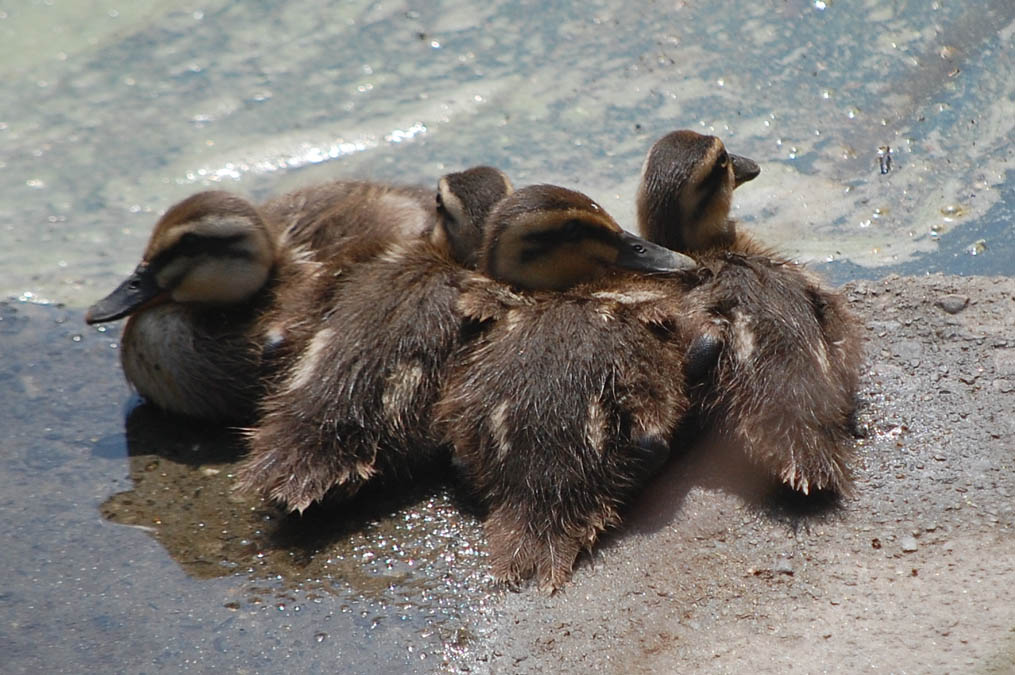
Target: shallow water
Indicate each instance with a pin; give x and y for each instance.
(112, 111)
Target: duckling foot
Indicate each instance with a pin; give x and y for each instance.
(701, 357)
(654, 451)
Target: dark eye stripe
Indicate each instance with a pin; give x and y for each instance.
(708, 188)
(191, 245)
(573, 230)
(532, 253)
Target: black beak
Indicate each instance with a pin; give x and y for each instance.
(743, 169)
(136, 290)
(643, 256)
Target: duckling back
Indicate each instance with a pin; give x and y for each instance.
(354, 400)
(558, 414)
(320, 221)
(325, 231)
(784, 385)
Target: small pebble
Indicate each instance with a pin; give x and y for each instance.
(952, 303)
(908, 544)
(1004, 386)
(783, 566)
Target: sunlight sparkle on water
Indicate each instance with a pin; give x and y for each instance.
(305, 154)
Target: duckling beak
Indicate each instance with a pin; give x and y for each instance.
(635, 253)
(744, 169)
(136, 291)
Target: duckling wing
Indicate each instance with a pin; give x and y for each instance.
(785, 384)
(356, 400)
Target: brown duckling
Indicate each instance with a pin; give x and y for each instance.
(191, 303)
(784, 386)
(200, 305)
(355, 395)
(556, 409)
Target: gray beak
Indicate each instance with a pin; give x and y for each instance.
(744, 169)
(643, 256)
(136, 290)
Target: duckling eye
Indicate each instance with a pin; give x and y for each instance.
(440, 202)
(723, 159)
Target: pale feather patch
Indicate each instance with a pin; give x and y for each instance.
(274, 335)
(307, 367)
(406, 212)
(365, 470)
(743, 337)
(499, 429)
(225, 226)
(400, 389)
(512, 320)
(394, 253)
(595, 426)
(301, 254)
(630, 297)
(821, 354)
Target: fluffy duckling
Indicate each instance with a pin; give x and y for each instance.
(556, 409)
(191, 304)
(201, 306)
(355, 396)
(784, 386)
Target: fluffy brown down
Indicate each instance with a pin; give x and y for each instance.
(356, 399)
(784, 387)
(557, 411)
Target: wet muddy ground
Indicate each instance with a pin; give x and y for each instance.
(126, 549)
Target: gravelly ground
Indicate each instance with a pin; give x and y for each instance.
(913, 574)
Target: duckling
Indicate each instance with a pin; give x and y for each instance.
(784, 386)
(191, 304)
(354, 399)
(556, 409)
(200, 336)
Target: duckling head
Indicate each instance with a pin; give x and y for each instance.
(212, 247)
(464, 200)
(686, 188)
(549, 237)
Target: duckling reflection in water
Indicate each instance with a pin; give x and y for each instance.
(354, 399)
(563, 403)
(201, 306)
(784, 387)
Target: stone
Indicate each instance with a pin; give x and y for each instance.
(953, 303)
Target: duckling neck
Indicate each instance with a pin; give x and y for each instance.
(690, 235)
